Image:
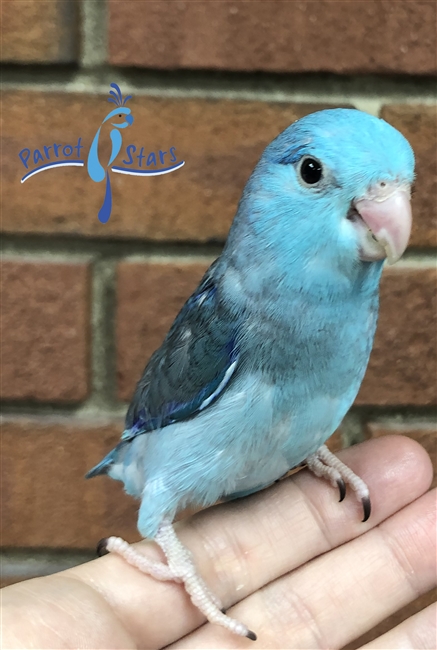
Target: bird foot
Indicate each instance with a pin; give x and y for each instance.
(325, 464)
(180, 568)
(157, 570)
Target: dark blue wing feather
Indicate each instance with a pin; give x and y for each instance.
(191, 368)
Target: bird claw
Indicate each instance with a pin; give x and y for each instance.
(342, 489)
(325, 464)
(366, 508)
(251, 635)
(101, 547)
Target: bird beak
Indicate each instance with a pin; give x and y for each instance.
(130, 119)
(386, 211)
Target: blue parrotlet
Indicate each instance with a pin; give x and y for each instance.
(267, 355)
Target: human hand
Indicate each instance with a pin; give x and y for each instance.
(296, 566)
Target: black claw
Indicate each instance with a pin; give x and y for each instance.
(342, 488)
(101, 547)
(366, 507)
(251, 635)
(223, 610)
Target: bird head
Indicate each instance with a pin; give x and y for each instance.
(122, 115)
(333, 189)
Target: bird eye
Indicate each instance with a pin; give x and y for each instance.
(119, 116)
(311, 171)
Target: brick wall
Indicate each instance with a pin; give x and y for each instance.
(84, 304)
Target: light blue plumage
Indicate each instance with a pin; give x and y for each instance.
(267, 355)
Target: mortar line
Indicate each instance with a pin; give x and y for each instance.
(103, 336)
(352, 427)
(396, 415)
(52, 411)
(83, 248)
(94, 33)
(24, 561)
(61, 248)
(360, 90)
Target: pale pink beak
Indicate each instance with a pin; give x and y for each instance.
(386, 211)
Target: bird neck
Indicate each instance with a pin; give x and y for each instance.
(262, 262)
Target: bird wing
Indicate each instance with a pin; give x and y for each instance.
(192, 367)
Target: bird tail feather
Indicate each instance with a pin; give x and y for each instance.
(103, 466)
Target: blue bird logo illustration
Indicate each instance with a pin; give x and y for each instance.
(97, 172)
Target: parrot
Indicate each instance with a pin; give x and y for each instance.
(95, 169)
(267, 355)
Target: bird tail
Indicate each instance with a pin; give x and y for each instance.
(104, 465)
(111, 459)
(105, 210)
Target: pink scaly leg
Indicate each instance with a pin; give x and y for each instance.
(180, 568)
(325, 464)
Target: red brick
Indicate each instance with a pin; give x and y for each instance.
(220, 140)
(46, 501)
(45, 330)
(424, 433)
(148, 298)
(39, 31)
(419, 125)
(402, 368)
(319, 36)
